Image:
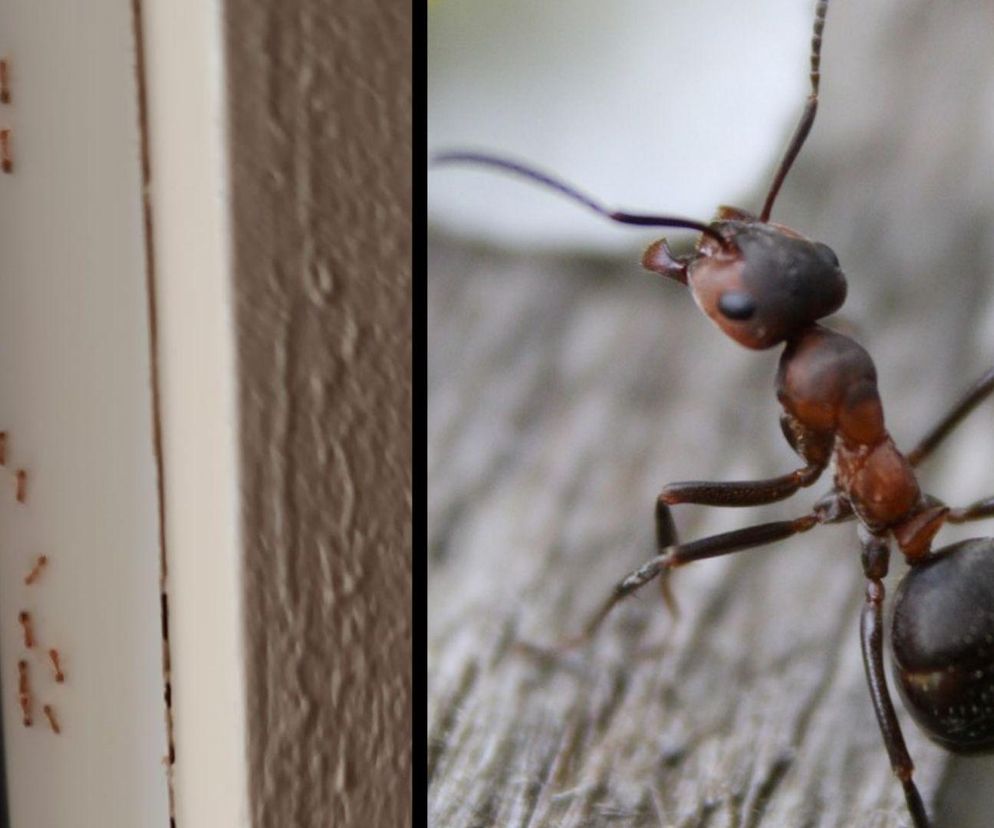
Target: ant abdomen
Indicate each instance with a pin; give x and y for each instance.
(943, 645)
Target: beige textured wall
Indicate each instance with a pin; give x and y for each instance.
(320, 97)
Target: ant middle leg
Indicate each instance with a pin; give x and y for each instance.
(975, 395)
(876, 556)
(684, 553)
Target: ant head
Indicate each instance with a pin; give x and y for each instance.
(761, 285)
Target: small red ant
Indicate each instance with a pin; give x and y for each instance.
(6, 159)
(4, 82)
(40, 563)
(24, 692)
(21, 491)
(764, 284)
(59, 675)
(24, 617)
(53, 722)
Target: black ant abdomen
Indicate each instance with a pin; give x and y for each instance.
(943, 644)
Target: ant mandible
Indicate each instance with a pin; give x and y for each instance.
(764, 284)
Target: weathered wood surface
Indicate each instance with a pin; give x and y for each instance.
(564, 394)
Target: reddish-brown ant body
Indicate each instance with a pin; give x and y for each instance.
(24, 692)
(53, 721)
(764, 284)
(24, 619)
(58, 673)
(32, 577)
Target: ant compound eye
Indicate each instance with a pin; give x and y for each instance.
(826, 254)
(736, 304)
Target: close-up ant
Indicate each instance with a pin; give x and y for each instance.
(764, 284)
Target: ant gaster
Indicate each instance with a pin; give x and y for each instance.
(764, 284)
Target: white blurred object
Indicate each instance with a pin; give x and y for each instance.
(647, 105)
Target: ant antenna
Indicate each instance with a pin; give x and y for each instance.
(576, 195)
(808, 116)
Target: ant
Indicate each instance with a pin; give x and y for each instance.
(764, 284)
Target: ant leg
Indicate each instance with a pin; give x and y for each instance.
(684, 553)
(740, 493)
(977, 393)
(876, 556)
(975, 511)
(666, 537)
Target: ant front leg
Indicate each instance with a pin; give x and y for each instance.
(684, 553)
(876, 557)
(740, 493)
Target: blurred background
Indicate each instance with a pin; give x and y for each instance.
(567, 386)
